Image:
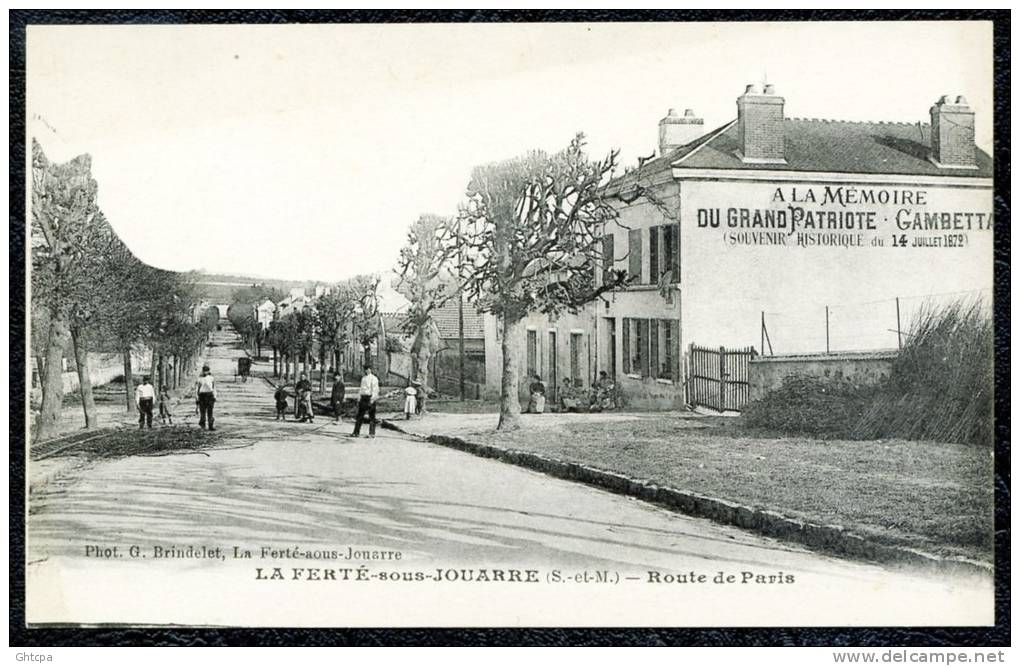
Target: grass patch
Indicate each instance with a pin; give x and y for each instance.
(934, 497)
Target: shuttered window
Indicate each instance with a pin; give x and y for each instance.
(575, 358)
(627, 352)
(671, 251)
(653, 347)
(532, 353)
(634, 255)
(608, 256)
(641, 349)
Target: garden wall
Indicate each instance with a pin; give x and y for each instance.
(857, 368)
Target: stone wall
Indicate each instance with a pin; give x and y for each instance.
(859, 368)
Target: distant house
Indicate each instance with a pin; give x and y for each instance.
(445, 375)
(266, 313)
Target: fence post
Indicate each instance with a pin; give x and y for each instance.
(826, 329)
(722, 379)
(899, 331)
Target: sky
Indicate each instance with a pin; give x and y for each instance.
(305, 151)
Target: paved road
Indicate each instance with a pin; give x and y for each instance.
(290, 484)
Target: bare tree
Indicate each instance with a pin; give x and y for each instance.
(333, 312)
(363, 291)
(426, 279)
(63, 207)
(531, 237)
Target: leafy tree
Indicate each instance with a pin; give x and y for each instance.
(531, 237)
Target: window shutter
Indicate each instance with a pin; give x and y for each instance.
(634, 255)
(653, 347)
(653, 255)
(626, 347)
(608, 255)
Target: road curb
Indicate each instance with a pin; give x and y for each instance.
(831, 539)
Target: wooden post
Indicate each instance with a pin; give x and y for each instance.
(722, 379)
(763, 330)
(460, 333)
(899, 331)
(826, 329)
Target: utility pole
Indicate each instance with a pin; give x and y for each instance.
(460, 310)
(899, 331)
(826, 329)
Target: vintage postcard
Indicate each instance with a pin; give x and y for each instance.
(510, 324)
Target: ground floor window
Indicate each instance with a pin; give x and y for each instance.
(532, 353)
(650, 347)
(575, 358)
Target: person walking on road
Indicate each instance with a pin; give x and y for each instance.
(145, 398)
(205, 389)
(336, 396)
(368, 393)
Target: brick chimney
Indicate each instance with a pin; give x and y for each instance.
(760, 126)
(952, 133)
(676, 130)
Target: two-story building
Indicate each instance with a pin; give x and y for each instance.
(815, 230)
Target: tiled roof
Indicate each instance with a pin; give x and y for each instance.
(834, 146)
(392, 323)
(446, 319)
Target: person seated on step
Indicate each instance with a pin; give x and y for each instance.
(568, 397)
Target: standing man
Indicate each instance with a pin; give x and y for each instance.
(368, 393)
(336, 396)
(145, 397)
(206, 391)
(304, 400)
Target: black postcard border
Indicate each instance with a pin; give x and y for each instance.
(54, 635)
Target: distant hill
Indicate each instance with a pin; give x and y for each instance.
(220, 287)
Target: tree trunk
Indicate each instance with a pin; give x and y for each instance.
(81, 360)
(509, 397)
(129, 385)
(53, 380)
(286, 368)
(276, 367)
(40, 372)
(322, 369)
(153, 360)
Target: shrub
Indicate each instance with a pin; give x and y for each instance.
(810, 405)
(941, 385)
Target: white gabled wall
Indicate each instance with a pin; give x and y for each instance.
(728, 281)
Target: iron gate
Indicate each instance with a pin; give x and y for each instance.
(718, 378)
